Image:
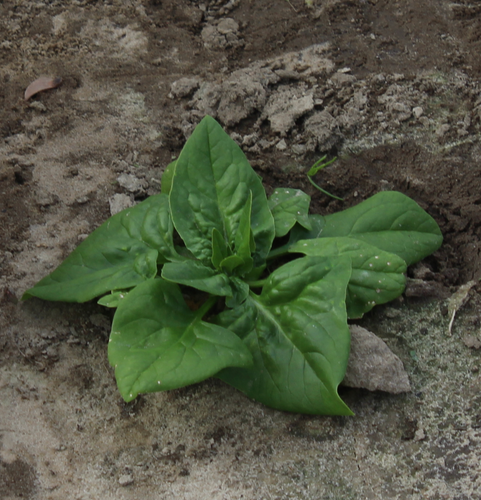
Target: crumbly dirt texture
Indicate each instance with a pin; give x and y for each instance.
(391, 88)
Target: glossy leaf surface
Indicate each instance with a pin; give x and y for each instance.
(157, 343)
(289, 206)
(377, 276)
(388, 220)
(121, 253)
(113, 299)
(219, 249)
(195, 274)
(297, 333)
(211, 185)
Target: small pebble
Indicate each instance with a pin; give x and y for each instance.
(418, 111)
(126, 479)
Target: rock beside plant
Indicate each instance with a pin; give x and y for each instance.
(373, 366)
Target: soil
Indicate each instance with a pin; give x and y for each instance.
(390, 88)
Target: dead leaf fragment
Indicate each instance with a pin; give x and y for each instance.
(40, 84)
(457, 300)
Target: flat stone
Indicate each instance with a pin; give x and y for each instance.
(373, 366)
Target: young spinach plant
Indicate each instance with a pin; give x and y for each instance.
(278, 333)
(319, 165)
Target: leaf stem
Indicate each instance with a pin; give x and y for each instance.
(323, 190)
(319, 165)
(206, 306)
(257, 284)
(279, 252)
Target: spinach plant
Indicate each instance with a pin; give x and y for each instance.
(276, 331)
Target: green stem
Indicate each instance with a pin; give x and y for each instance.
(323, 190)
(206, 306)
(279, 252)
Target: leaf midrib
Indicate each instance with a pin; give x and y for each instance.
(265, 310)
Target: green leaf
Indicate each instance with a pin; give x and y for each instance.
(113, 299)
(145, 264)
(157, 343)
(377, 276)
(167, 176)
(388, 220)
(121, 253)
(244, 241)
(157, 229)
(195, 274)
(319, 165)
(231, 263)
(300, 233)
(219, 248)
(211, 186)
(289, 206)
(240, 291)
(255, 274)
(297, 333)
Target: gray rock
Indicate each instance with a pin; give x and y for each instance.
(312, 61)
(39, 106)
(247, 90)
(209, 36)
(373, 366)
(227, 25)
(44, 198)
(285, 106)
(442, 130)
(340, 79)
(224, 35)
(236, 98)
(81, 200)
(132, 183)
(119, 202)
(126, 479)
(418, 111)
(184, 87)
(241, 95)
(322, 127)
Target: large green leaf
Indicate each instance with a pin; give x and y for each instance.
(377, 276)
(121, 253)
(289, 206)
(157, 343)
(388, 220)
(211, 186)
(297, 333)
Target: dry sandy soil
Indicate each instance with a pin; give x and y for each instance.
(391, 88)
